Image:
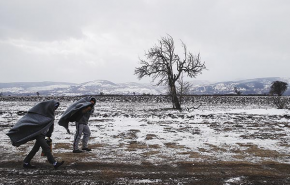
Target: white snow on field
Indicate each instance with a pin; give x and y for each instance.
(2, 119)
(235, 180)
(136, 132)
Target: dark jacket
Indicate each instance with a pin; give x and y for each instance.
(74, 112)
(86, 116)
(49, 132)
(38, 120)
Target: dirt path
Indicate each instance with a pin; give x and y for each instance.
(182, 173)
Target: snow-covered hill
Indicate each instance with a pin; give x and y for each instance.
(251, 86)
(70, 89)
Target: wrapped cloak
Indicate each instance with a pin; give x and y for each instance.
(74, 112)
(36, 121)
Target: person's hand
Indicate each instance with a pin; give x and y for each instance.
(86, 109)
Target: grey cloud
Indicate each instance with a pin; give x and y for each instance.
(236, 39)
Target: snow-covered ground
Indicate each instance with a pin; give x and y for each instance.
(141, 140)
(138, 132)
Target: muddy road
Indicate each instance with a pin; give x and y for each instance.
(182, 173)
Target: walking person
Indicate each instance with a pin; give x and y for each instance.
(79, 112)
(35, 125)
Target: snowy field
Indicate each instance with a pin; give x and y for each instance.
(145, 130)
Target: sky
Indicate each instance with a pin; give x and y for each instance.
(80, 41)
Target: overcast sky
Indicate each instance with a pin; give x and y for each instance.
(85, 40)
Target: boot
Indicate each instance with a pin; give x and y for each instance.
(87, 149)
(58, 164)
(28, 166)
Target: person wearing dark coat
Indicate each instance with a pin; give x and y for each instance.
(37, 123)
(80, 113)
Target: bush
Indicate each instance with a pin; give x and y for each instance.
(280, 102)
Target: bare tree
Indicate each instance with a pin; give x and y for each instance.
(183, 88)
(278, 88)
(162, 62)
(237, 91)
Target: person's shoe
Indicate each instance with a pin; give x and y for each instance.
(77, 151)
(87, 149)
(58, 164)
(28, 166)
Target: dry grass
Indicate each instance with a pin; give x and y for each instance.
(150, 153)
(216, 148)
(191, 154)
(63, 145)
(174, 145)
(151, 136)
(97, 145)
(130, 134)
(260, 152)
(154, 146)
(133, 146)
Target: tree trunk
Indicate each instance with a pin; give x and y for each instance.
(175, 100)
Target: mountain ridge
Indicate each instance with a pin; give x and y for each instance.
(198, 87)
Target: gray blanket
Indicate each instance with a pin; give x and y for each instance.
(36, 121)
(73, 112)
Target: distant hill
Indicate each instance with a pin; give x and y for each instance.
(73, 89)
(251, 86)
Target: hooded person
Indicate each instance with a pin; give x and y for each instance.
(37, 123)
(80, 113)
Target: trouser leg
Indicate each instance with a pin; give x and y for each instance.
(40, 142)
(32, 153)
(78, 135)
(87, 134)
